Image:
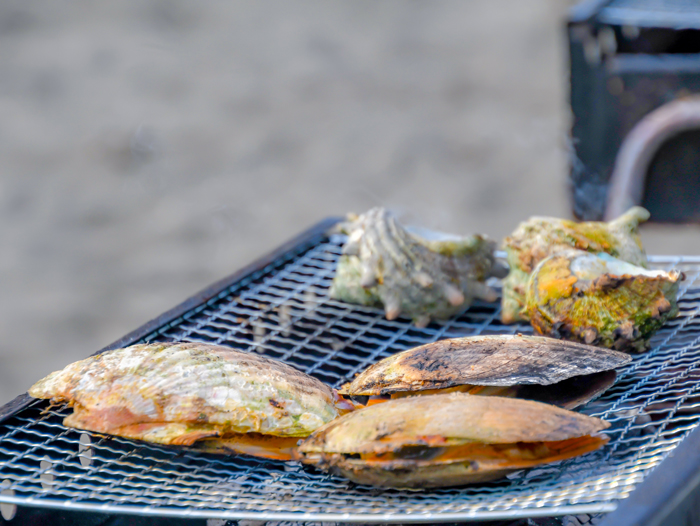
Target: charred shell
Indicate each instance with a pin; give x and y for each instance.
(181, 393)
(600, 300)
(417, 273)
(448, 440)
(533, 367)
(540, 237)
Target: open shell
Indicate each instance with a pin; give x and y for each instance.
(540, 237)
(563, 373)
(600, 300)
(182, 393)
(421, 274)
(447, 440)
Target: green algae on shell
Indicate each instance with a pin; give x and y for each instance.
(600, 300)
(539, 237)
(415, 272)
(183, 393)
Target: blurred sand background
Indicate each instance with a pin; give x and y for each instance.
(151, 147)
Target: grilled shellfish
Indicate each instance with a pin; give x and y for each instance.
(558, 372)
(418, 273)
(448, 440)
(186, 393)
(540, 237)
(601, 300)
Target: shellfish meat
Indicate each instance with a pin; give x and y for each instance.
(448, 440)
(540, 237)
(185, 393)
(418, 273)
(600, 300)
(558, 372)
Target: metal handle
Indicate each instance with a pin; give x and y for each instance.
(639, 147)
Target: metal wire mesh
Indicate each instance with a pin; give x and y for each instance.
(284, 312)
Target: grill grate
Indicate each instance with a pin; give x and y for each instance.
(283, 311)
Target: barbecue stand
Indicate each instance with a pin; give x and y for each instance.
(279, 306)
(630, 60)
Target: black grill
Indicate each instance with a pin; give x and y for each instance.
(281, 309)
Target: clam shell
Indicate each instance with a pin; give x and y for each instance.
(501, 360)
(179, 393)
(601, 300)
(440, 420)
(540, 237)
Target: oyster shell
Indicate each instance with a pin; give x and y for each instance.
(540, 237)
(448, 439)
(598, 299)
(417, 273)
(182, 393)
(563, 373)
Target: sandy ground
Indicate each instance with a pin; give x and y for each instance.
(150, 147)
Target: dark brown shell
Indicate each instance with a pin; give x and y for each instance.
(570, 393)
(502, 360)
(446, 420)
(428, 476)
